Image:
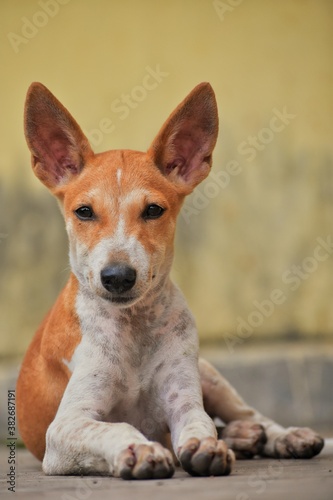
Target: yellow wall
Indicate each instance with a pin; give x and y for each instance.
(267, 205)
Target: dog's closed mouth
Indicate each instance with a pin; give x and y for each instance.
(119, 300)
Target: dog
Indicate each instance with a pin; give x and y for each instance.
(112, 382)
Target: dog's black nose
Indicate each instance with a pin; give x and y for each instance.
(118, 278)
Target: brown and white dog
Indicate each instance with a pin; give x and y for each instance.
(113, 370)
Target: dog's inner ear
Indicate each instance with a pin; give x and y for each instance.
(58, 146)
(183, 148)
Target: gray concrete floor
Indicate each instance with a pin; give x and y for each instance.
(258, 479)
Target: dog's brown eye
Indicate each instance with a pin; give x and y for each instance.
(153, 212)
(85, 213)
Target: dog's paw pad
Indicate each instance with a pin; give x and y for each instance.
(208, 457)
(298, 442)
(146, 461)
(244, 437)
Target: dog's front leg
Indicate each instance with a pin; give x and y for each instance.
(79, 442)
(193, 433)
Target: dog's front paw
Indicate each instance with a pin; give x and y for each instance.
(208, 457)
(145, 461)
(244, 437)
(298, 442)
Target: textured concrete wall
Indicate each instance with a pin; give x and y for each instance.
(254, 243)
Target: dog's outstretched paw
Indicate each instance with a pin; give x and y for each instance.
(208, 457)
(244, 437)
(145, 461)
(298, 442)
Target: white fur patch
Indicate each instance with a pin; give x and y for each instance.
(70, 364)
(120, 243)
(133, 196)
(119, 172)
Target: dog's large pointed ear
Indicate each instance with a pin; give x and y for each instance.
(183, 148)
(58, 146)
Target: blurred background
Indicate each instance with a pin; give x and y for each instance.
(254, 248)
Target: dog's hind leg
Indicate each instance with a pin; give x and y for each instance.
(247, 431)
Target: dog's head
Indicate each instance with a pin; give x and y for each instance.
(120, 207)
